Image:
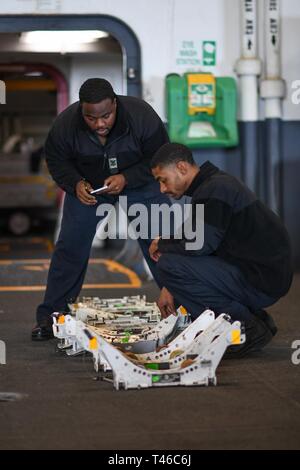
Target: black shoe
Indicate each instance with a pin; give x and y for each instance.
(258, 335)
(267, 319)
(42, 331)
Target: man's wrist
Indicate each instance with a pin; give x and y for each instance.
(125, 179)
(79, 182)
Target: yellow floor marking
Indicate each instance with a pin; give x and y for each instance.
(6, 245)
(49, 245)
(43, 267)
(112, 266)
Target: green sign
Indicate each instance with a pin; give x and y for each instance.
(196, 53)
(209, 53)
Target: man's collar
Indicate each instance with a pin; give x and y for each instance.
(206, 170)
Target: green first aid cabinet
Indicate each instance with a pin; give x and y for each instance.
(202, 110)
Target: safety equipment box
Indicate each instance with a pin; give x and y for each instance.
(201, 110)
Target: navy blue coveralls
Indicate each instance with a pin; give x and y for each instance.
(244, 264)
(73, 152)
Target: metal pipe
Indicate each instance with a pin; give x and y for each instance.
(272, 90)
(248, 68)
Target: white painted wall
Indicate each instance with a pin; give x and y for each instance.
(104, 66)
(162, 25)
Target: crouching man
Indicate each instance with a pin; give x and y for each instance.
(244, 263)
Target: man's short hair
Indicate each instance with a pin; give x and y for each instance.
(170, 154)
(95, 90)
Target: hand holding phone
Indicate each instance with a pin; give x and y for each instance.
(99, 190)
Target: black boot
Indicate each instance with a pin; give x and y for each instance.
(267, 319)
(43, 330)
(258, 335)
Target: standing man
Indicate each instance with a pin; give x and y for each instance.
(103, 139)
(244, 264)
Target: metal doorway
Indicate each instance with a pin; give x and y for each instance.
(117, 28)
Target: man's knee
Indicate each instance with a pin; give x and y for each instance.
(171, 265)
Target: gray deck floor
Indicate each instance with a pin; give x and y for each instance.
(255, 405)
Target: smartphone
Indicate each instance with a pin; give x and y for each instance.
(96, 191)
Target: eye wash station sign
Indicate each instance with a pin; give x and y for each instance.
(192, 53)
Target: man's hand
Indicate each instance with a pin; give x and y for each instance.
(83, 189)
(115, 183)
(165, 303)
(153, 250)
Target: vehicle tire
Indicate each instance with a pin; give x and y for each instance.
(19, 223)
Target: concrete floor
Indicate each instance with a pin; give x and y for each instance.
(256, 404)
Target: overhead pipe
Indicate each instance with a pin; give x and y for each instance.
(248, 68)
(272, 91)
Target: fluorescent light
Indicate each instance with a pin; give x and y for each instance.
(33, 74)
(60, 39)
